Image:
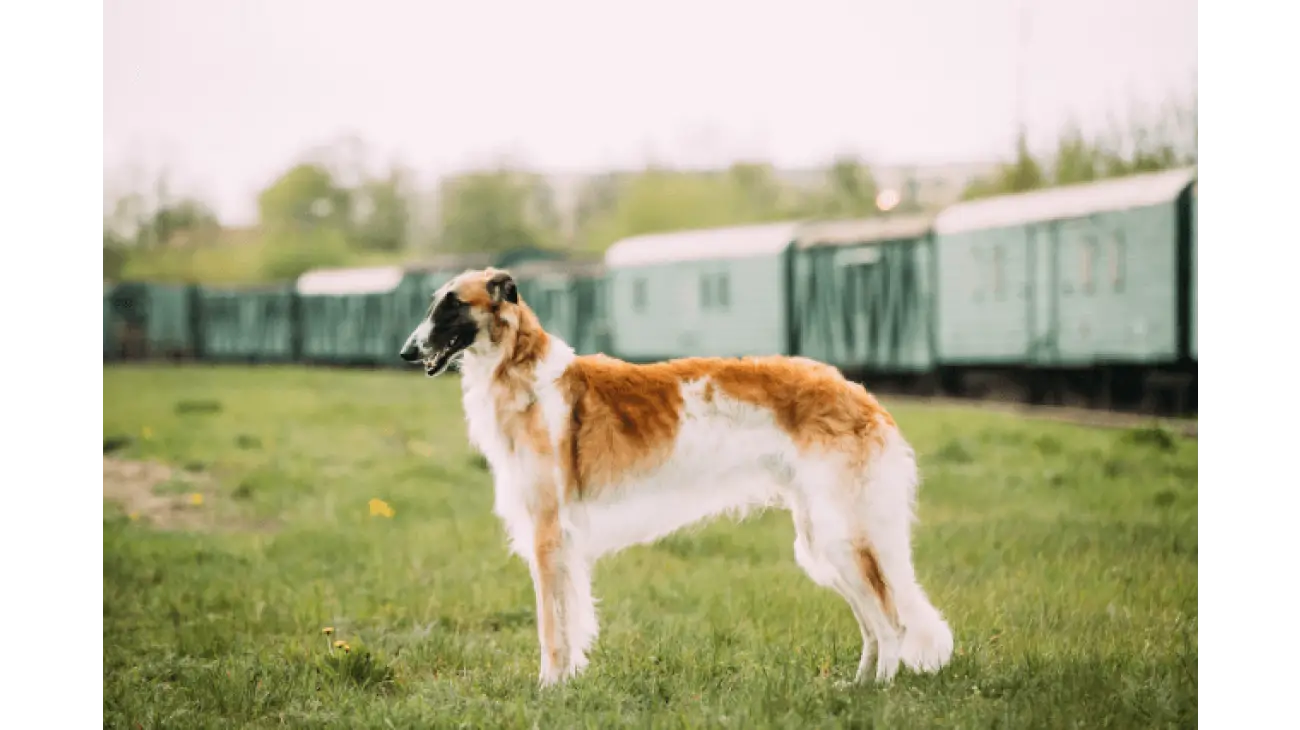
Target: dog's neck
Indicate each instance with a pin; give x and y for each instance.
(524, 354)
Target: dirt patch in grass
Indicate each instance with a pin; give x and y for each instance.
(168, 498)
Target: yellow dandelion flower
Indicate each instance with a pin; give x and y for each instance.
(380, 508)
(327, 630)
(134, 516)
(196, 499)
(146, 433)
(342, 645)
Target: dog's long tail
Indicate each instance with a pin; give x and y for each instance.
(927, 642)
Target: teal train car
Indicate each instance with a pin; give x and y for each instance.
(719, 291)
(1087, 282)
(250, 324)
(148, 320)
(1195, 285)
(863, 294)
(349, 316)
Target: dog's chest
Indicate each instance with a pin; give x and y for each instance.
(513, 468)
(483, 427)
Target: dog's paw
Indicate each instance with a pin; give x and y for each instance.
(551, 676)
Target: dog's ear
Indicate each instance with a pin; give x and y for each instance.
(501, 288)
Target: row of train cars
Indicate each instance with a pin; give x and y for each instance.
(1082, 295)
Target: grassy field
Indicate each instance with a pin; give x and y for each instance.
(1065, 559)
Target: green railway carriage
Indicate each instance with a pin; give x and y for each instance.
(1067, 277)
(250, 324)
(569, 299)
(1191, 282)
(719, 291)
(104, 343)
(1196, 270)
(348, 315)
(862, 294)
(148, 320)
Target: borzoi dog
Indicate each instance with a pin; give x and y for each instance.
(591, 454)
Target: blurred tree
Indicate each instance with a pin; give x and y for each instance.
(305, 197)
(134, 219)
(114, 253)
(659, 200)
(290, 253)
(1025, 173)
(1146, 143)
(1021, 174)
(757, 189)
(381, 213)
(305, 218)
(540, 207)
(597, 199)
(1077, 159)
(495, 211)
(851, 189)
(183, 222)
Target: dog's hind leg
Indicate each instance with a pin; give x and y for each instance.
(809, 554)
(882, 509)
(860, 524)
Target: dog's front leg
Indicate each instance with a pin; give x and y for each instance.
(550, 569)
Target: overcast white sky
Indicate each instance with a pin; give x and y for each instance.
(228, 92)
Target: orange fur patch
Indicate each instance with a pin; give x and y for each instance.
(869, 566)
(626, 417)
(547, 541)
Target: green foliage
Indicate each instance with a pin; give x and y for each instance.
(290, 253)
(496, 211)
(115, 253)
(304, 197)
(1065, 559)
(851, 190)
(659, 200)
(1149, 143)
(1077, 161)
(382, 213)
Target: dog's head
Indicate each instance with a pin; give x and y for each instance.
(473, 310)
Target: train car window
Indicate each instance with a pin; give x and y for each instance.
(1089, 263)
(639, 296)
(998, 283)
(724, 293)
(1117, 263)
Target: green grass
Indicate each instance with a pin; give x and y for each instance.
(1064, 558)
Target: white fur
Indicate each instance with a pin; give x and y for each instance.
(728, 456)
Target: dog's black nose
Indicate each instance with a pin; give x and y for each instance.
(410, 353)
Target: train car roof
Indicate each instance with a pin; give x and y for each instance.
(367, 280)
(863, 230)
(730, 242)
(1070, 201)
